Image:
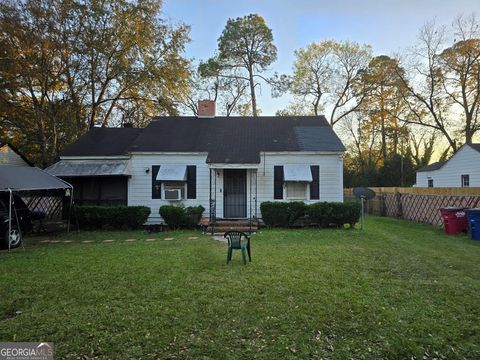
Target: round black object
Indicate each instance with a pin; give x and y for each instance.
(14, 236)
(364, 192)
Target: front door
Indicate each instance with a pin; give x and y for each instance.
(234, 193)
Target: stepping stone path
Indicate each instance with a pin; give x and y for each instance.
(150, 240)
(54, 241)
(168, 239)
(130, 240)
(45, 241)
(87, 241)
(67, 241)
(193, 238)
(108, 241)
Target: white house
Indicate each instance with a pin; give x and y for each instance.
(461, 170)
(227, 165)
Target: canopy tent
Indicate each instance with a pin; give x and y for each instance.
(29, 180)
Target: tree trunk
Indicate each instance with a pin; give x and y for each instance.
(316, 104)
(384, 134)
(252, 90)
(42, 140)
(469, 132)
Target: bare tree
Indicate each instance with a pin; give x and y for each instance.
(460, 65)
(312, 72)
(423, 87)
(327, 74)
(223, 85)
(351, 59)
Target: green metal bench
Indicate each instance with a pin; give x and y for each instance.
(240, 241)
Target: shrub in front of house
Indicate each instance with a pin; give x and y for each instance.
(282, 214)
(274, 213)
(352, 212)
(323, 214)
(176, 216)
(193, 214)
(117, 217)
(295, 210)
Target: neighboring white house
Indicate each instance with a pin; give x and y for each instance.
(461, 170)
(9, 155)
(227, 165)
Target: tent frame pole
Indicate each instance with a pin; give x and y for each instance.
(70, 209)
(9, 217)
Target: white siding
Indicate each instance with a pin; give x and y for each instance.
(422, 178)
(331, 175)
(140, 192)
(140, 184)
(10, 157)
(466, 161)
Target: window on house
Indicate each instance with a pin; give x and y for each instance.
(296, 190)
(465, 180)
(169, 180)
(430, 182)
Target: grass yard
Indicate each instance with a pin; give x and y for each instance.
(396, 290)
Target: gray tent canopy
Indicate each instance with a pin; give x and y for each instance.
(29, 179)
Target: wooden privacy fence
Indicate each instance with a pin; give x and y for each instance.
(418, 204)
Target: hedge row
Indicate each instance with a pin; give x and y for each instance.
(323, 214)
(176, 216)
(117, 217)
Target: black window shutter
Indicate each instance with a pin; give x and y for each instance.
(278, 182)
(191, 182)
(156, 185)
(315, 184)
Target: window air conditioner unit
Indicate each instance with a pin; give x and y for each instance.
(173, 194)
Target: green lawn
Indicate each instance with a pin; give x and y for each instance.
(396, 290)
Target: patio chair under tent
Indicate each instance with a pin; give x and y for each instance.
(36, 185)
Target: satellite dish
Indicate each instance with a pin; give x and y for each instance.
(364, 193)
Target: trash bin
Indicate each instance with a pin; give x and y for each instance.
(454, 220)
(473, 216)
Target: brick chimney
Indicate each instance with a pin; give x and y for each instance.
(206, 108)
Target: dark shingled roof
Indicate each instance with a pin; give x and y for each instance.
(226, 140)
(433, 166)
(103, 142)
(475, 146)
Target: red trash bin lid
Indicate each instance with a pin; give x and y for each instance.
(452, 208)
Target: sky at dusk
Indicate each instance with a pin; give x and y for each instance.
(388, 26)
